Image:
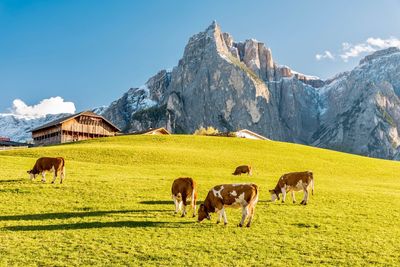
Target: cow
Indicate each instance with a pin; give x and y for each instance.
(56, 165)
(183, 189)
(242, 169)
(230, 195)
(291, 182)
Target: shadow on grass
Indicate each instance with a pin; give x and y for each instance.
(67, 215)
(97, 225)
(306, 225)
(157, 202)
(165, 202)
(11, 181)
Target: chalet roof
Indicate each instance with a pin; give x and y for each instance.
(73, 116)
(253, 133)
(162, 129)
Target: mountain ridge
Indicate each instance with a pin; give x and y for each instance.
(231, 85)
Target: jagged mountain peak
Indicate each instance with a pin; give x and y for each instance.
(379, 54)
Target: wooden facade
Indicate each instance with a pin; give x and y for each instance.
(77, 127)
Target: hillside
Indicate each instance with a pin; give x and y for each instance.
(115, 208)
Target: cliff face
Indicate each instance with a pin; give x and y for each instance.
(232, 85)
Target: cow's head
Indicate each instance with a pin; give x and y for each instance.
(32, 174)
(203, 213)
(274, 195)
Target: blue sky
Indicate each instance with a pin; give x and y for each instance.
(90, 52)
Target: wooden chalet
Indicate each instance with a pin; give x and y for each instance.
(81, 126)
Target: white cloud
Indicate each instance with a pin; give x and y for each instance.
(52, 105)
(326, 55)
(369, 46)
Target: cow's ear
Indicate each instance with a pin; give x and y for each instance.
(271, 191)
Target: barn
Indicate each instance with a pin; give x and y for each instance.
(81, 126)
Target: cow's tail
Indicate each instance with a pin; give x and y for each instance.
(193, 185)
(312, 182)
(63, 167)
(255, 199)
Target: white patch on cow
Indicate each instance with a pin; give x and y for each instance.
(240, 200)
(274, 197)
(233, 193)
(218, 193)
(32, 176)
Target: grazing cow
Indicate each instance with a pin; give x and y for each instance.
(242, 169)
(234, 195)
(291, 182)
(182, 189)
(56, 165)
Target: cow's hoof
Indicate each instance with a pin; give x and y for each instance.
(194, 215)
(240, 225)
(248, 225)
(294, 202)
(183, 215)
(225, 223)
(52, 182)
(305, 203)
(217, 222)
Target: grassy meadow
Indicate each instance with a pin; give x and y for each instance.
(115, 208)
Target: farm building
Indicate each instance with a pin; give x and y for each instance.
(77, 127)
(244, 133)
(158, 131)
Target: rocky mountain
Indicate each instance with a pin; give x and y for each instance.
(232, 85)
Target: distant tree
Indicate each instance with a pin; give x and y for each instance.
(206, 131)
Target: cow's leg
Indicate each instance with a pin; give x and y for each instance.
(184, 206)
(55, 176)
(305, 198)
(293, 197)
(43, 176)
(62, 175)
(176, 204)
(224, 216)
(251, 215)
(220, 213)
(244, 216)
(193, 203)
(283, 189)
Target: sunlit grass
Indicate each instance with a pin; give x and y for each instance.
(115, 208)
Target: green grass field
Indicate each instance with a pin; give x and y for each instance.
(114, 207)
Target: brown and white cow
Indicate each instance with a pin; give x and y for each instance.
(183, 189)
(292, 182)
(230, 195)
(56, 165)
(242, 169)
